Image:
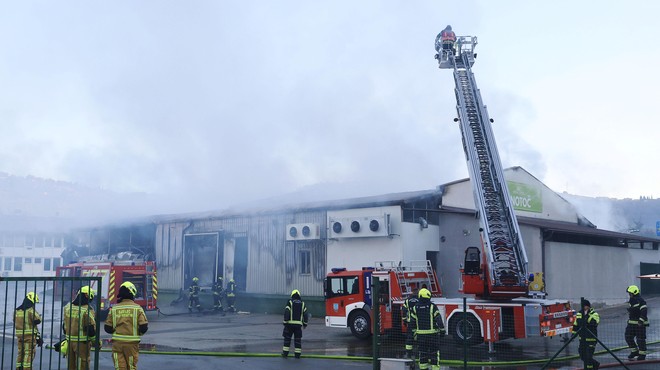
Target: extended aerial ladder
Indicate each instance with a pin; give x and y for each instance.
(503, 273)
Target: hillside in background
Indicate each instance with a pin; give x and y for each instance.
(67, 204)
(76, 205)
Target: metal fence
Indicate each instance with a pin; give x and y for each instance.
(53, 294)
(532, 352)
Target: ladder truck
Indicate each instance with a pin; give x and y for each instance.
(497, 272)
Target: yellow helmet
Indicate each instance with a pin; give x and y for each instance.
(424, 293)
(32, 297)
(131, 287)
(633, 289)
(195, 279)
(294, 292)
(64, 347)
(87, 290)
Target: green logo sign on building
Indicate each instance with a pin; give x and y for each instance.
(525, 197)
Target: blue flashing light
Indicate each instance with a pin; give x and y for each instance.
(337, 269)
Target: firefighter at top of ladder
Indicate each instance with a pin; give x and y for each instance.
(445, 42)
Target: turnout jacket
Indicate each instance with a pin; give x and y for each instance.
(295, 312)
(590, 321)
(79, 322)
(426, 318)
(126, 322)
(407, 308)
(26, 321)
(637, 311)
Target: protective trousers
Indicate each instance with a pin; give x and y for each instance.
(586, 352)
(125, 355)
(636, 331)
(428, 345)
(295, 331)
(78, 355)
(230, 302)
(217, 302)
(26, 347)
(410, 339)
(193, 302)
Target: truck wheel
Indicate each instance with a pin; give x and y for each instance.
(360, 324)
(465, 330)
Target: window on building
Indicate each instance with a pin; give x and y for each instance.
(28, 259)
(305, 261)
(46, 264)
(18, 263)
(37, 260)
(29, 240)
(56, 263)
(40, 241)
(7, 264)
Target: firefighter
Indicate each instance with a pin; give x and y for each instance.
(79, 325)
(637, 323)
(127, 323)
(26, 319)
(218, 295)
(586, 325)
(231, 295)
(295, 319)
(428, 326)
(445, 41)
(406, 312)
(193, 295)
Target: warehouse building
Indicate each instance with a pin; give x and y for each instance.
(271, 250)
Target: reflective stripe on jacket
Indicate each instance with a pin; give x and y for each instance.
(126, 318)
(427, 318)
(76, 321)
(589, 321)
(637, 311)
(294, 312)
(231, 289)
(24, 321)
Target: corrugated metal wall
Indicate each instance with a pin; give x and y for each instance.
(272, 261)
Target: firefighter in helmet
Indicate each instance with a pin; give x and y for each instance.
(445, 41)
(193, 295)
(406, 312)
(26, 321)
(586, 325)
(295, 319)
(428, 325)
(218, 295)
(231, 295)
(638, 321)
(127, 323)
(79, 325)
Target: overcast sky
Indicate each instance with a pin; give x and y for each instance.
(219, 102)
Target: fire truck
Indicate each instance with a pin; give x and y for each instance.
(507, 303)
(114, 271)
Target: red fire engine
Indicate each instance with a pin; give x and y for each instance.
(349, 300)
(113, 273)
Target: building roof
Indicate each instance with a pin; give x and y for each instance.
(571, 230)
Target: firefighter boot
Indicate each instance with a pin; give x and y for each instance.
(632, 355)
(641, 357)
(285, 354)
